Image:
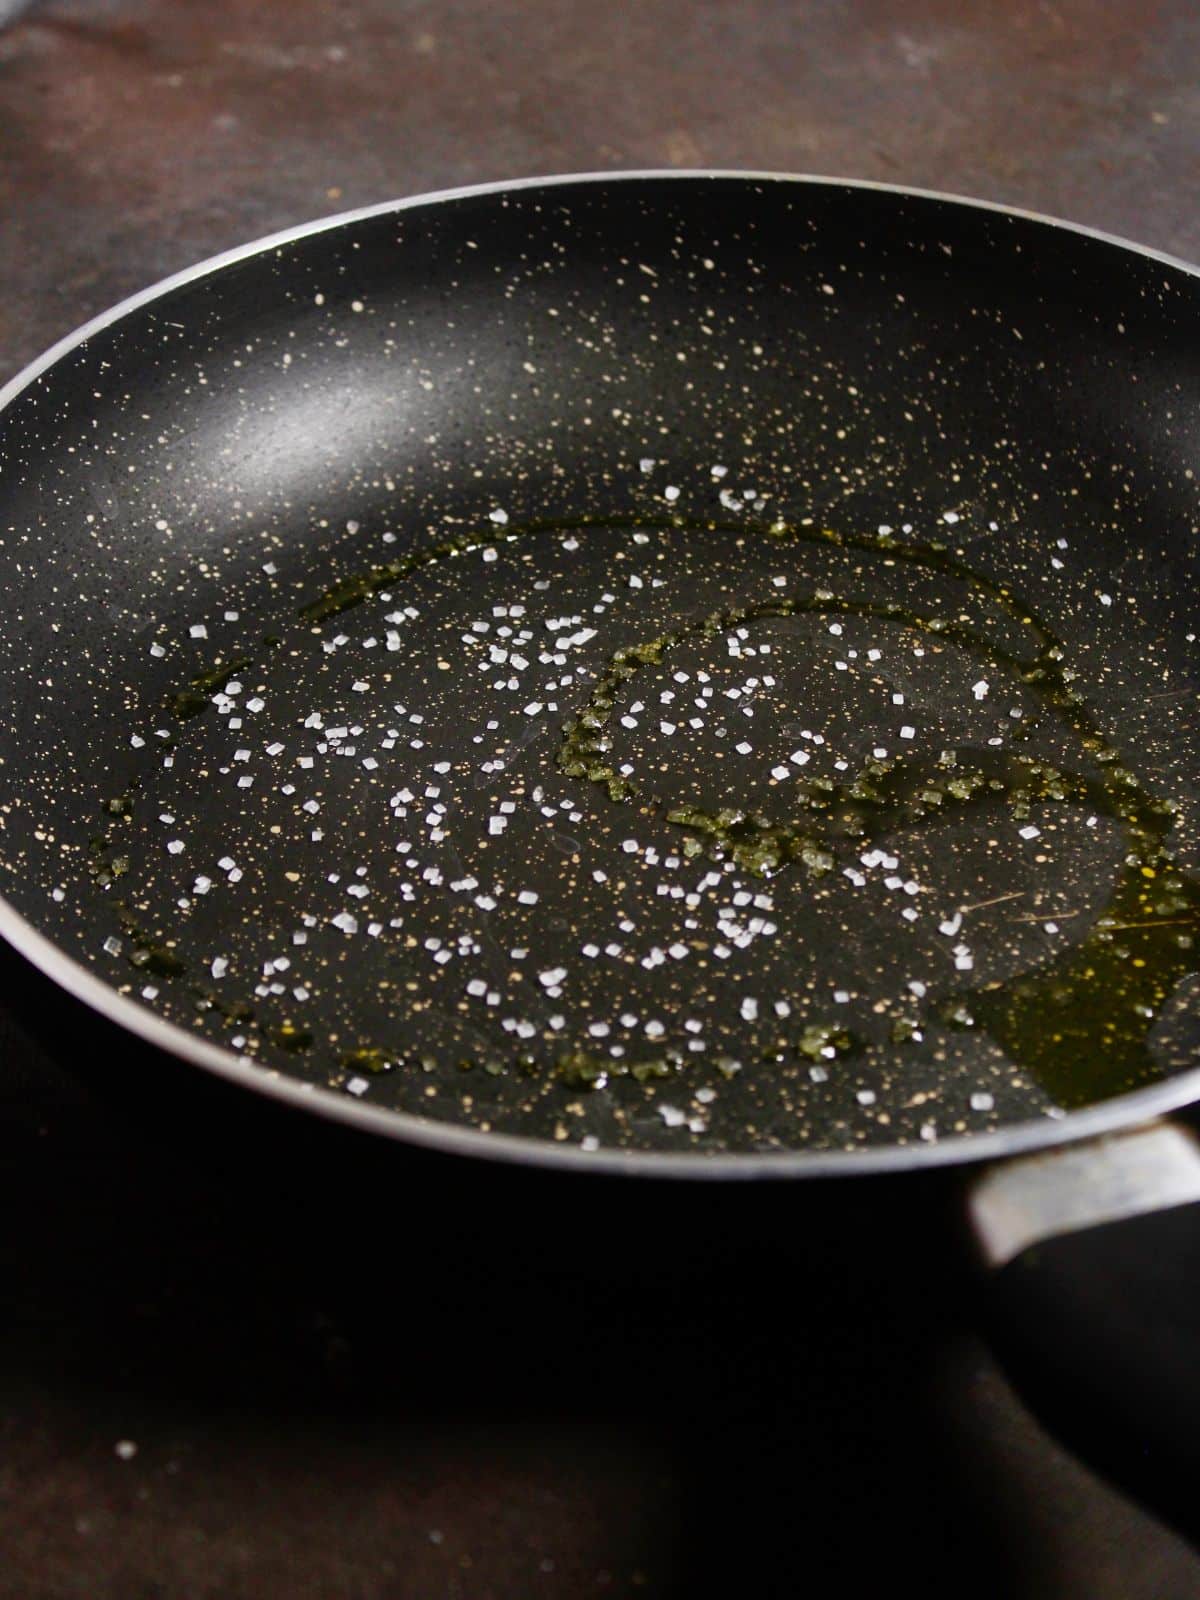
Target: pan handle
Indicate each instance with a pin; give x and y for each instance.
(1093, 1302)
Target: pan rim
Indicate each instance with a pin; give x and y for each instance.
(76, 979)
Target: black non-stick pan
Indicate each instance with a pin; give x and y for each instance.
(676, 674)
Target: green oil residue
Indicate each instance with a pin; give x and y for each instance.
(579, 1069)
(1079, 1024)
(881, 796)
(821, 1041)
(161, 959)
(288, 1036)
(373, 1062)
(196, 695)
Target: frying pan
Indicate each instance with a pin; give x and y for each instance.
(682, 674)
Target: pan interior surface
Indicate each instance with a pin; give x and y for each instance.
(665, 664)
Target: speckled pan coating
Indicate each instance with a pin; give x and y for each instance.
(524, 430)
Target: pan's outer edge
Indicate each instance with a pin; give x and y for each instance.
(71, 975)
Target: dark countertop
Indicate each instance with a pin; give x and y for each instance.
(242, 1357)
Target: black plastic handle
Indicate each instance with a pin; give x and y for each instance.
(1100, 1330)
